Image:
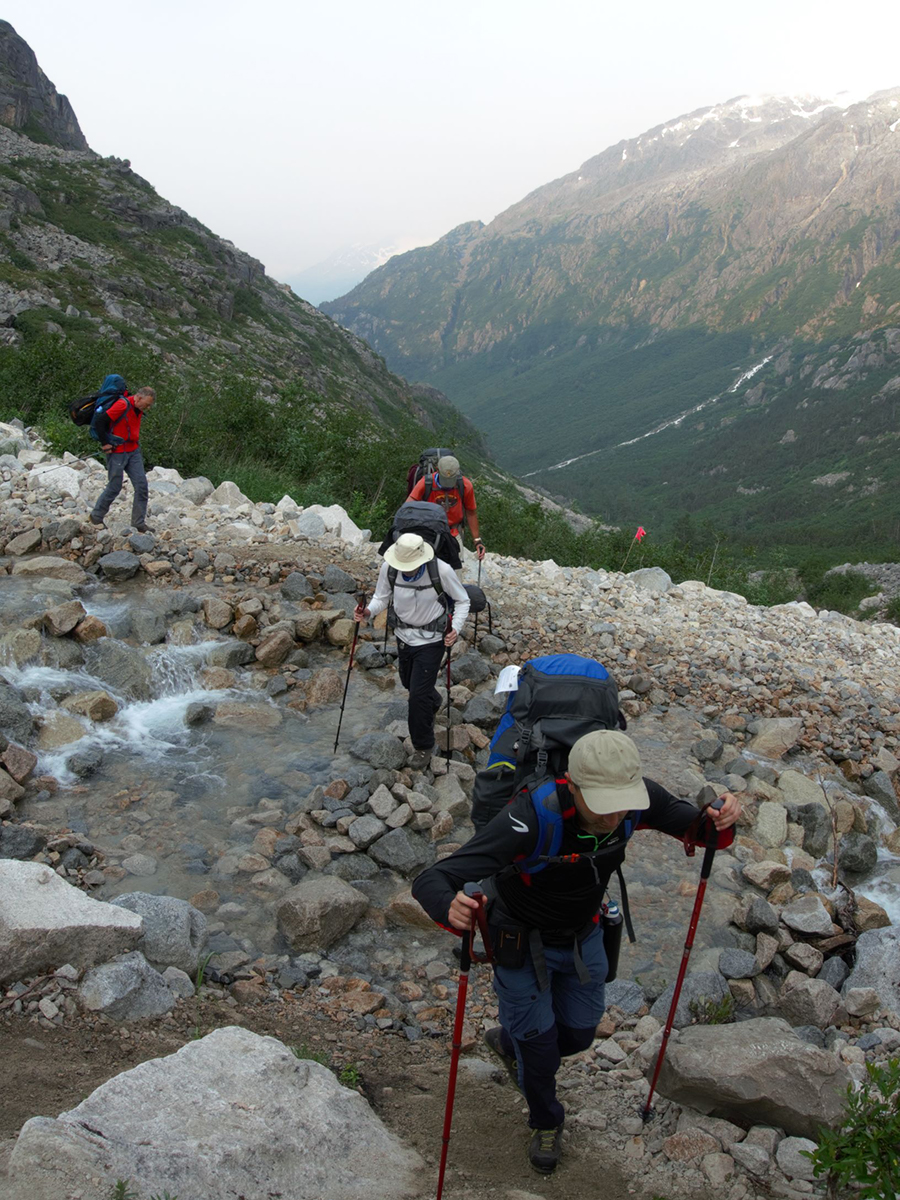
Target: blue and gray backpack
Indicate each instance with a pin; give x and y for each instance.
(560, 698)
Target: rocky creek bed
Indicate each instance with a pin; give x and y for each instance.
(169, 703)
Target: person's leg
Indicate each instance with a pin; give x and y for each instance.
(115, 465)
(424, 699)
(578, 1006)
(134, 469)
(529, 1035)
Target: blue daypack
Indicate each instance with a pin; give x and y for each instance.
(545, 800)
(560, 697)
(113, 389)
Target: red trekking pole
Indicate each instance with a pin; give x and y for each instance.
(466, 958)
(361, 598)
(709, 855)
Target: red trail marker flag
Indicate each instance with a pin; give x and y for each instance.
(641, 533)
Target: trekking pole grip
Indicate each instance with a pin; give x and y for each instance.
(474, 890)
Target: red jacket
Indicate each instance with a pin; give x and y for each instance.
(125, 422)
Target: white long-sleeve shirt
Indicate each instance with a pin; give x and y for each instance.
(421, 604)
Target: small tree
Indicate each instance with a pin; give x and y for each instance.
(864, 1153)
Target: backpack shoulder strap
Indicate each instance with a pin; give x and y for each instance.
(545, 800)
(434, 575)
(429, 486)
(392, 577)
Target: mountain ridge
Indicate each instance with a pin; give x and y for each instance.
(622, 295)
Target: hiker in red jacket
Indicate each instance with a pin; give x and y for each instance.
(119, 429)
(450, 488)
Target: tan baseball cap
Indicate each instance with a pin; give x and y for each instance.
(606, 767)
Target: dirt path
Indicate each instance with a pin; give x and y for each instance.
(50, 1071)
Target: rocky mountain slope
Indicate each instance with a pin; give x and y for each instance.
(760, 234)
(90, 253)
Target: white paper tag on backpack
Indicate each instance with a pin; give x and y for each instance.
(507, 680)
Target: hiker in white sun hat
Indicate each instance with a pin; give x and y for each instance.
(417, 590)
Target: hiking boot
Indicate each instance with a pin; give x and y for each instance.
(420, 759)
(97, 524)
(545, 1149)
(145, 528)
(493, 1038)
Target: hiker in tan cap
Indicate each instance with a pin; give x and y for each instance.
(544, 863)
(448, 487)
(416, 588)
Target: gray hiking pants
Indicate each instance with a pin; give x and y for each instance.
(130, 463)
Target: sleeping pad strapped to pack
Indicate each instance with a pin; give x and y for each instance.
(559, 698)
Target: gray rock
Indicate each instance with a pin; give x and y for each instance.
(233, 1114)
(20, 842)
(625, 994)
(791, 1156)
(382, 750)
(490, 644)
(368, 656)
(198, 713)
(816, 824)
(196, 490)
(46, 922)
(470, 668)
(352, 867)
(174, 931)
(807, 915)
(774, 736)
(142, 543)
(308, 525)
(403, 851)
(230, 654)
(755, 1072)
(484, 710)
(834, 971)
(811, 1034)
(124, 668)
(805, 1001)
(296, 586)
(878, 966)
(119, 565)
(738, 964)
(699, 988)
(318, 911)
(881, 788)
(16, 720)
(857, 853)
(337, 580)
(761, 917)
(178, 982)
(126, 989)
(365, 830)
(147, 625)
(85, 762)
(651, 579)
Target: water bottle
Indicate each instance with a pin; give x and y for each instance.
(612, 936)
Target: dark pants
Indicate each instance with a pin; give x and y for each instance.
(130, 463)
(419, 666)
(542, 1028)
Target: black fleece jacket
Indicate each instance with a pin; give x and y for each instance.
(563, 896)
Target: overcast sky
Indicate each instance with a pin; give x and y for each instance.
(296, 128)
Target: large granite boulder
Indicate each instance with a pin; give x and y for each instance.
(126, 989)
(756, 1072)
(878, 966)
(123, 667)
(233, 1114)
(46, 923)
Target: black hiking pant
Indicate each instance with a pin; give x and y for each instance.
(419, 666)
(130, 463)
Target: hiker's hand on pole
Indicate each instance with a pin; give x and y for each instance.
(450, 637)
(462, 911)
(361, 615)
(479, 548)
(727, 815)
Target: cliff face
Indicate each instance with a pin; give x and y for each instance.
(29, 102)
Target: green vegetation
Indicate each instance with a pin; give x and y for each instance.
(303, 1052)
(841, 591)
(710, 1011)
(863, 1154)
(122, 1190)
(349, 1076)
(892, 610)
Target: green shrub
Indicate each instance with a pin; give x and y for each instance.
(863, 1154)
(840, 591)
(892, 610)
